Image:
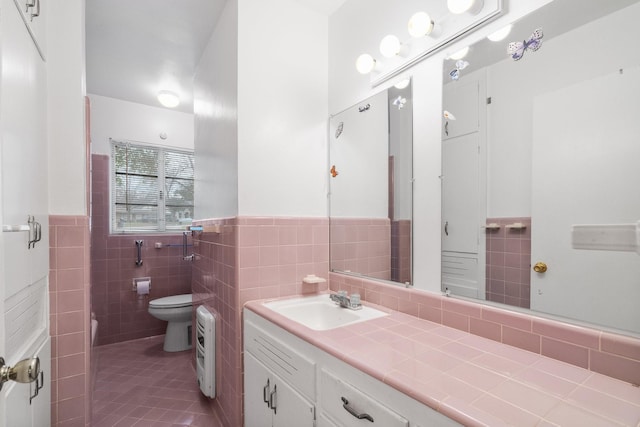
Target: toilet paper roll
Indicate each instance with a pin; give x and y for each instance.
(143, 287)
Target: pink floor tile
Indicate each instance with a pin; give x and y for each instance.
(133, 389)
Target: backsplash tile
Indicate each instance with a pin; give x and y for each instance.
(508, 265)
(607, 353)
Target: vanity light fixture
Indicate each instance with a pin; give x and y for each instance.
(402, 84)
(365, 63)
(501, 34)
(458, 7)
(168, 99)
(460, 54)
(420, 25)
(390, 46)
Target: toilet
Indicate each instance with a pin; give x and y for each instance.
(176, 310)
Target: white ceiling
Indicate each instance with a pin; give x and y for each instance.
(136, 48)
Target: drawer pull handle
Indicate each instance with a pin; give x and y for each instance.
(265, 393)
(349, 409)
(273, 400)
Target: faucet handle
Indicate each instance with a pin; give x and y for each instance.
(342, 293)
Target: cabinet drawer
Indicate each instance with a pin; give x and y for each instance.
(334, 392)
(291, 366)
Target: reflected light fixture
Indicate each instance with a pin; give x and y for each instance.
(501, 34)
(420, 25)
(460, 54)
(402, 84)
(168, 99)
(390, 46)
(365, 63)
(458, 7)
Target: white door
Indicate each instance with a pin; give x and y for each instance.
(464, 188)
(24, 316)
(592, 126)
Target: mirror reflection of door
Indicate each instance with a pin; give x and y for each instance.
(463, 190)
(593, 126)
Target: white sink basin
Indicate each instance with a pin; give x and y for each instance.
(320, 313)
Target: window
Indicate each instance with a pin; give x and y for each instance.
(151, 188)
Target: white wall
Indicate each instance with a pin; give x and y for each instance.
(65, 104)
(216, 120)
(118, 119)
(282, 109)
(349, 36)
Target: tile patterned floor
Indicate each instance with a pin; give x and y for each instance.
(140, 385)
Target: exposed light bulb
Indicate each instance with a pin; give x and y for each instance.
(501, 34)
(390, 46)
(420, 25)
(402, 84)
(461, 6)
(460, 54)
(365, 63)
(168, 99)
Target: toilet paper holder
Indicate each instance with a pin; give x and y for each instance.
(145, 285)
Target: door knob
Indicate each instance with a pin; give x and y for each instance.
(25, 371)
(540, 267)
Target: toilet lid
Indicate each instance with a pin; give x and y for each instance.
(173, 301)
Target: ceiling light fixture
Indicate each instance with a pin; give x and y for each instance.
(365, 63)
(501, 34)
(461, 6)
(390, 46)
(420, 25)
(168, 99)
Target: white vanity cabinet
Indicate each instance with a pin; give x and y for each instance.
(279, 382)
(352, 407)
(270, 401)
(316, 382)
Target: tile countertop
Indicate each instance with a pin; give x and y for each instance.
(473, 380)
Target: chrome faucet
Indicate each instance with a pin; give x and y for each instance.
(352, 302)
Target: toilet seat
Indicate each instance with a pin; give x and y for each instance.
(173, 301)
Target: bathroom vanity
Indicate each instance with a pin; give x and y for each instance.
(288, 381)
(399, 370)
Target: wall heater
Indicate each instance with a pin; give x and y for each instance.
(206, 351)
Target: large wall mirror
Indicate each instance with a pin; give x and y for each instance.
(541, 166)
(370, 185)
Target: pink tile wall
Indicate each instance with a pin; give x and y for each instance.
(69, 317)
(121, 314)
(509, 262)
(610, 354)
(251, 258)
(362, 245)
(214, 285)
(401, 250)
